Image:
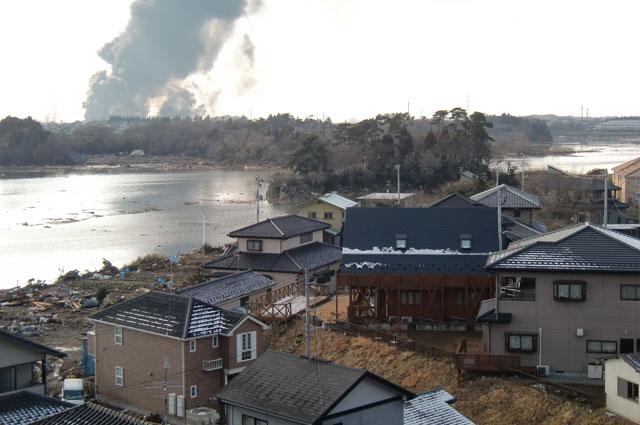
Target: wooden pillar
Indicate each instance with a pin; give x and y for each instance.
(422, 304)
(442, 297)
(398, 282)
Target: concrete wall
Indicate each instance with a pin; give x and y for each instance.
(628, 408)
(602, 316)
(320, 208)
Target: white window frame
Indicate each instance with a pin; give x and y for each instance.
(119, 376)
(214, 341)
(117, 334)
(193, 391)
(246, 343)
(192, 346)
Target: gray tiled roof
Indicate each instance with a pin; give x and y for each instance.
(228, 287)
(308, 256)
(90, 413)
(25, 407)
(34, 346)
(583, 247)
(632, 359)
(433, 408)
(280, 228)
(515, 231)
(510, 197)
(171, 315)
(295, 387)
(456, 200)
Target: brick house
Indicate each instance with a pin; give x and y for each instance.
(159, 344)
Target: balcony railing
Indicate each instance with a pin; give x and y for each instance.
(214, 364)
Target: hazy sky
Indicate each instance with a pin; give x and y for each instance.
(349, 59)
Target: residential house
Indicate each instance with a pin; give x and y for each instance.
(331, 209)
(282, 388)
(417, 264)
(627, 177)
(160, 346)
(566, 299)
(90, 413)
(282, 249)
(621, 384)
(231, 292)
(387, 199)
(514, 202)
(433, 407)
(23, 364)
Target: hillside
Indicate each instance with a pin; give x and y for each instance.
(485, 401)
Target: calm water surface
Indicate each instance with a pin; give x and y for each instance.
(54, 224)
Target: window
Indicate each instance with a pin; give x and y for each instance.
(192, 345)
(246, 346)
(254, 245)
(249, 420)
(525, 343)
(328, 215)
(630, 292)
(244, 301)
(193, 391)
(307, 237)
(516, 213)
(119, 376)
(214, 341)
(518, 288)
(118, 335)
(569, 290)
(606, 347)
(401, 241)
(311, 214)
(637, 182)
(465, 241)
(409, 297)
(627, 389)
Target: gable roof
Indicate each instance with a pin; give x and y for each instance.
(627, 168)
(90, 413)
(582, 247)
(456, 200)
(433, 408)
(170, 315)
(334, 199)
(228, 288)
(515, 230)
(30, 344)
(295, 260)
(24, 407)
(283, 227)
(295, 387)
(510, 197)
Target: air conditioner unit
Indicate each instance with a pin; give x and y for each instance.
(542, 370)
(406, 319)
(392, 319)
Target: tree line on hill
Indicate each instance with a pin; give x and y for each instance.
(325, 155)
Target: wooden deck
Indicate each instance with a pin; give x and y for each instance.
(283, 303)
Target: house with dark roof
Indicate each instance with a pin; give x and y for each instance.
(159, 347)
(282, 249)
(329, 208)
(90, 413)
(621, 385)
(231, 292)
(24, 407)
(514, 202)
(417, 264)
(20, 359)
(627, 177)
(565, 299)
(281, 388)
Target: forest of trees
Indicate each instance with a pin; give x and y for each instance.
(325, 155)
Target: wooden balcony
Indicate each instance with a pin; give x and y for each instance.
(284, 302)
(209, 365)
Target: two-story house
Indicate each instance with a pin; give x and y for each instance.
(329, 208)
(159, 347)
(513, 202)
(282, 249)
(627, 177)
(565, 299)
(414, 264)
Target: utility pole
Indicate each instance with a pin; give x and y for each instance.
(499, 204)
(307, 316)
(398, 169)
(606, 198)
(259, 182)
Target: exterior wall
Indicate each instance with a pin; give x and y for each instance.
(631, 190)
(207, 382)
(269, 246)
(617, 368)
(320, 208)
(141, 356)
(234, 416)
(525, 215)
(602, 316)
(366, 392)
(385, 414)
(13, 354)
(91, 343)
(230, 349)
(294, 242)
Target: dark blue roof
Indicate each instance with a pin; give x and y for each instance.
(426, 228)
(583, 247)
(296, 260)
(91, 413)
(25, 407)
(280, 228)
(456, 200)
(228, 287)
(414, 264)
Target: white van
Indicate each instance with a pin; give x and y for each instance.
(73, 391)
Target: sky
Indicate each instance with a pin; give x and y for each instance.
(343, 59)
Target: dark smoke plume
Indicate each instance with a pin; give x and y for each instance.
(164, 42)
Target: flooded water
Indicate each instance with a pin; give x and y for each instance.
(55, 224)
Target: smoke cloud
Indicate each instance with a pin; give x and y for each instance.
(164, 42)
